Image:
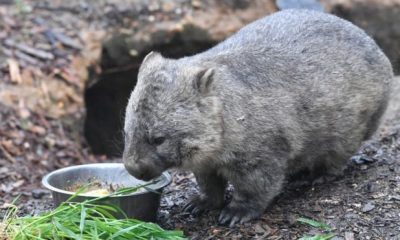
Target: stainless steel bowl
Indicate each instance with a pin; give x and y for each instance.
(141, 205)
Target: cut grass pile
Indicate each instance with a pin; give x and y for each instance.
(81, 220)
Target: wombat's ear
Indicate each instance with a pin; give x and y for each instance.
(203, 80)
(151, 56)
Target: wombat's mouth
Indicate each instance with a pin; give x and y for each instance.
(147, 178)
(143, 174)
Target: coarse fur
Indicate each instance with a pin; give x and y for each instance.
(297, 90)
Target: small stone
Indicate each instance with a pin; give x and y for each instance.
(133, 52)
(151, 18)
(368, 207)
(362, 159)
(337, 238)
(50, 142)
(364, 167)
(259, 229)
(196, 4)
(349, 236)
(24, 113)
(394, 197)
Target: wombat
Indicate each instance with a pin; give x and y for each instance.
(295, 91)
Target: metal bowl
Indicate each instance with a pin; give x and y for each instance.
(141, 205)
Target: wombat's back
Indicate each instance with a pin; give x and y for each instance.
(296, 44)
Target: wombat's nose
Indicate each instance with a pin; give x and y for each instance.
(132, 170)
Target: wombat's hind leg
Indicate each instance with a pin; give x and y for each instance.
(332, 169)
(252, 193)
(212, 190)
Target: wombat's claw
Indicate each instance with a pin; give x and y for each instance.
(232, 216)
(193, 209)
(197, 206)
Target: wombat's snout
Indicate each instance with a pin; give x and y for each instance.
(140, 172)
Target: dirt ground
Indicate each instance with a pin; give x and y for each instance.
(38, 138)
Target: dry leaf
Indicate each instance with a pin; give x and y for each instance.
(38, 130)
(18, 183)
(10, 147)
(27, 77)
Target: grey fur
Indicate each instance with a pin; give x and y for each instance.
(297, 90)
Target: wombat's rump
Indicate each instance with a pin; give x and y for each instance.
(293, 91)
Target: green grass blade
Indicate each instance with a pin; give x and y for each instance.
(123, 231)
(314, 223)
(65, 230)
(82, 220)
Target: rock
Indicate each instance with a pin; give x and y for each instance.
(368, 207)
(362, 159)
(110, 84)
(395, 197)
(262, 229)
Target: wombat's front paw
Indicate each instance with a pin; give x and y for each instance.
(198, 205)
(232, 215)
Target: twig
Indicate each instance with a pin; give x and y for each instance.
(62, 9)
(67, 41)
(26, 58)
(30, 50)
(6, 154)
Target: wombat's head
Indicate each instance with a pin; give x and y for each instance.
(173, 118)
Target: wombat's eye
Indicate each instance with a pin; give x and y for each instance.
(158, 140)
